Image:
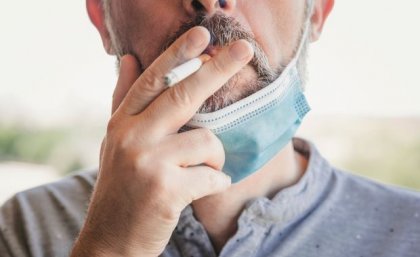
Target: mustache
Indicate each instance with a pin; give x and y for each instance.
(225, 30)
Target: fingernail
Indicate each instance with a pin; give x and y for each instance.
(240, 51)
(195, 38)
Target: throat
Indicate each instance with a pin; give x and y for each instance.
(219, 213)
(219, 218)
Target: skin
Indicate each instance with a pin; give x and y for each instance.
(147, 174)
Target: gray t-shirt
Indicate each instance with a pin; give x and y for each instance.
(328, 213)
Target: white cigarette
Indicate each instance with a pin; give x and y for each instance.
(184, 70)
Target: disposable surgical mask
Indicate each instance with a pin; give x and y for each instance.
(254, 129)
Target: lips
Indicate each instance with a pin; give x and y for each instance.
(212, 50)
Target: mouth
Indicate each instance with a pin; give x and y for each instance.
(212, 50)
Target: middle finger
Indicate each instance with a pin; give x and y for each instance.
(175, 107)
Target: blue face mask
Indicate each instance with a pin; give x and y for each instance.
(254, 129)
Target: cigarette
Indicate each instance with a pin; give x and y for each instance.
(183, 71)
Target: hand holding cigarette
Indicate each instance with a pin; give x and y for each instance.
(149, 172)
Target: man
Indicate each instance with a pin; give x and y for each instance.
(164, 186)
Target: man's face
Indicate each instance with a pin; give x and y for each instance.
(144, 28)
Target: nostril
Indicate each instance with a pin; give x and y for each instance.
(197, 6)
(223, 3)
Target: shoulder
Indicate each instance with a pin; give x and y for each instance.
(376, 212)
(48, 213)
(67, 194)
(346, 185)
(366, 190)
(366, 217)
(358, 200)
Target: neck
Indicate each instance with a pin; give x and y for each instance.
(219, 213)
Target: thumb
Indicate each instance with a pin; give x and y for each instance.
(129, 73)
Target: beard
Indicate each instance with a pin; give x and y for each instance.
(225, 30)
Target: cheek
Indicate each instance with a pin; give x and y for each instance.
(290, 20)
(147, 25)
(276, 25)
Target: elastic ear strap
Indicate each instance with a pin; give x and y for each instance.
(306, 27)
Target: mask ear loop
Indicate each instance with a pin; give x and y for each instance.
(305, 35)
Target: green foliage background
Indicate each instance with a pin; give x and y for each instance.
(386, 149)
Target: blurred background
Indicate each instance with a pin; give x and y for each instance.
(56, 85)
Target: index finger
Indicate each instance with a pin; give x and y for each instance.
(151, 83)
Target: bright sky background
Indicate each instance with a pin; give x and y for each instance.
(53, 70)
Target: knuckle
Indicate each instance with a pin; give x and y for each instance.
(219, 67)
(160, 184)
(112, 125)
(151, 81)
(210, 140)
(116, 137)
(180, 96)
(212, 180)
(178, 51)
(143, 160)
(128, 143)
(161, 188)
(207, 137)
(124, 141)
(168, 212)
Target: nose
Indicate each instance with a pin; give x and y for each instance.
(209, 7)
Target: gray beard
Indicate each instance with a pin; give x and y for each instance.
(225, 30)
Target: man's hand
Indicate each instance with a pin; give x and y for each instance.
(148, 172)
